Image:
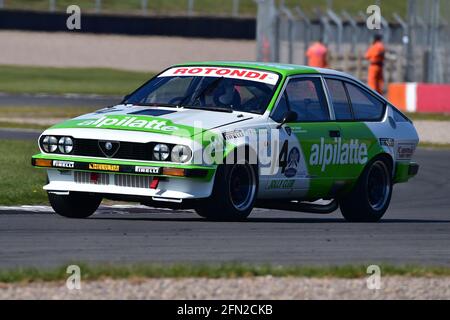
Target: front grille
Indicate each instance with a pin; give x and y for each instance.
(120, 180)
(85, 178)
(127, 150)
(133, 181)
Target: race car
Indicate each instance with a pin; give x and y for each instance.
(224, 137)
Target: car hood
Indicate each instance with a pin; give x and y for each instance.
(162, 120)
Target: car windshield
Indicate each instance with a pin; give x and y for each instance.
(209, 88)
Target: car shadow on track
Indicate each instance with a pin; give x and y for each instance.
(259, 220)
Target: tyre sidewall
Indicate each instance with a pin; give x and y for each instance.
(219, 205)
(355, 206)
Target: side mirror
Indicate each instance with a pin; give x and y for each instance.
(289, 116)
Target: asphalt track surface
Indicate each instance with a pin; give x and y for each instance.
(415, 230)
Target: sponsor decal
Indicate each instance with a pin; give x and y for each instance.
(234, 73)
(63, 164)
(233, 134)
(104, 167)
(149, 170)
(128, 122)
(388, 142)
(339, 153)
(292, 162)
(405, 150)
(281, 184)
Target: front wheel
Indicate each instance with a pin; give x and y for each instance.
(370, 198)
(233, 195)
(74, 205)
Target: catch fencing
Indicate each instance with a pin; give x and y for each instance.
(418, 46)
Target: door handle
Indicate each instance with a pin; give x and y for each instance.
(334, 133)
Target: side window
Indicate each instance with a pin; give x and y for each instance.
(398, 117)
(280, 110)
(341, 106)
(365, 106)
(306, 97)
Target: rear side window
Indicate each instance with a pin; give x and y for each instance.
(339, 99)
(398, 117)
(365, 106)
(306, 97)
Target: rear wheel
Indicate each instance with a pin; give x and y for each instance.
(370, 198)
(234, 193)
(75, 204)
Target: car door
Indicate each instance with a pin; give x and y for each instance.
(306, 144)
(353, 107)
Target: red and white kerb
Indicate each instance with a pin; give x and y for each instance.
(234, 73)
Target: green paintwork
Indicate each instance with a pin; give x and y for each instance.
(324, 176)
(402, 172)
(138, 124)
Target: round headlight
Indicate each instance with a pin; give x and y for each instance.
(161, 152)
(50, 144)
(181, 153)
(65, 145)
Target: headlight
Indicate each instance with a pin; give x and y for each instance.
(161, 152)
(50, 144)
(65, 145)
(181, 153)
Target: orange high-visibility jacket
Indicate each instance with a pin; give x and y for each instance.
(375, 53)
(317, 55)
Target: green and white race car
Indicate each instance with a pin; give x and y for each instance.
(225, 137)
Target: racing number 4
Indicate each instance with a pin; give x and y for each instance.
(282, 158)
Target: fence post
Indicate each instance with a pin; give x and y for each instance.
(144, 6)
(334, 17)
(235, 8)
(290, 32)
(405, 40)
(306, 31)
(190, 9)
(412, 41)
(354, 34)
(434, 38)
(98, 6)
(266, 31)
(52, 5)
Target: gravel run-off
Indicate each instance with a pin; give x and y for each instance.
(267, 287)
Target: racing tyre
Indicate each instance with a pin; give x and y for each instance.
(75, 205)
(370, 198)
(234, 193)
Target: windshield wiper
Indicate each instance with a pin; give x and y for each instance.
(227, 109)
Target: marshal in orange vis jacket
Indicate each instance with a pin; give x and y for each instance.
(317, 55)
(375, 55)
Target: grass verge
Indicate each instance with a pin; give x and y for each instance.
(44, 112)
(428, 116)
(430, 145)
(98, 272)
(27, 79)
(20, 183)
(18, 125)
(246, 7)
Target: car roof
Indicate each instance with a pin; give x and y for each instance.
(283, 68)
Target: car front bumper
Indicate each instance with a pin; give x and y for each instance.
(106, 176)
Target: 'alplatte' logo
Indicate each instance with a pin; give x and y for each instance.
(128, 122)
(338, 153)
